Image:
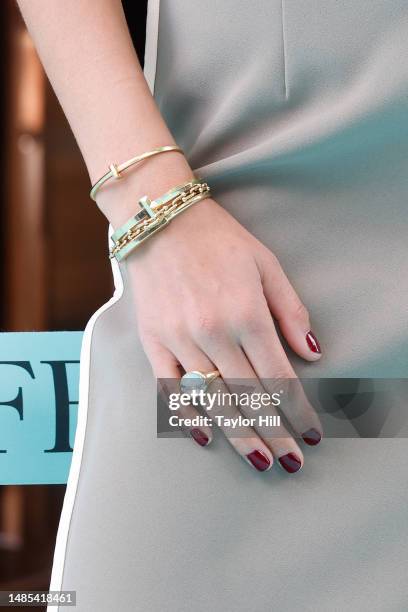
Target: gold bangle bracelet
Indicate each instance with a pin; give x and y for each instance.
(115, 170)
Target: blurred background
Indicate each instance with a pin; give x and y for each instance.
(54, 271)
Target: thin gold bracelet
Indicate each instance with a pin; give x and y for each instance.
(115, 170)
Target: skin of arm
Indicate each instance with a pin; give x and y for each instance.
(87, 52)
(206, 288)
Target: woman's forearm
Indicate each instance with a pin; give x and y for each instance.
(89, 57)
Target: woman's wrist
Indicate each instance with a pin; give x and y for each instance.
(118, 199)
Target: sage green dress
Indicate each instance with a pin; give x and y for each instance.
(296, 111)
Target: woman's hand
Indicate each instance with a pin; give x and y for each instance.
(205, 291)
(204, 288)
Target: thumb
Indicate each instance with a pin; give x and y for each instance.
(287, 308)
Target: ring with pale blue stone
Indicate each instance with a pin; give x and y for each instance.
(197, 381)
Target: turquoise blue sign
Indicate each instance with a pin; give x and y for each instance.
(39, 376)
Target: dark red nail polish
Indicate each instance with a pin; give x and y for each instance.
(259, 460)
(313, 342)
(200, 437)
(290, 462)
(312, 436)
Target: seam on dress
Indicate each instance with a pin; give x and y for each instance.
(285, 79)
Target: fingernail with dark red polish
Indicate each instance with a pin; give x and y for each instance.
(200, 437)
(259, 460)
(290, 462)
(313, 343)
(312, 437)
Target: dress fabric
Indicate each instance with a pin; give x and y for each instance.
(296, 111)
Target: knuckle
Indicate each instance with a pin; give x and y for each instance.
(273, 260)
(175, 329)
(282, 371)
(147, 336)
(248, 318)
(207, 326)
(299, 312)
(250, 324)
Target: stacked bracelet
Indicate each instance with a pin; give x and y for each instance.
(155, 215)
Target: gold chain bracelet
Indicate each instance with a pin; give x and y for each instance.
(159, 214)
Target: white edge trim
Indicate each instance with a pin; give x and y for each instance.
(152, 33)
(74, 471)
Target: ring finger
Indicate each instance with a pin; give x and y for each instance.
(243, 438)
